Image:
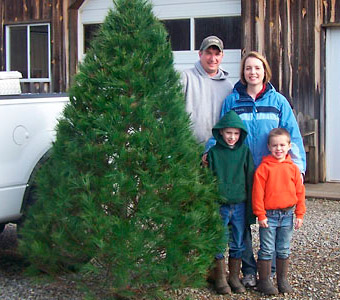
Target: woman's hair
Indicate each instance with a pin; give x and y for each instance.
(277, 132)
(267, 70)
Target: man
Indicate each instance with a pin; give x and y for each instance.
(205, 87)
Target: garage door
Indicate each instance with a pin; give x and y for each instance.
(188, 22)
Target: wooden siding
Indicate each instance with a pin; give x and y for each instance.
(331, 12)
(284, 32)
(33, 11)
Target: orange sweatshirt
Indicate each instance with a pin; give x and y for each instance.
(277, 185)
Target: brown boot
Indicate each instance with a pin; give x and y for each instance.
(234, 273)
(211, 274)
(221, 284)
(282, 275)
(265, 285)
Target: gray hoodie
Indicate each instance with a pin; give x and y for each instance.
(204, 97)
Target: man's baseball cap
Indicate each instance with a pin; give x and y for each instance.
(211, 41)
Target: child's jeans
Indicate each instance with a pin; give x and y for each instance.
(248, 259)
(276, 238)
(233, 214)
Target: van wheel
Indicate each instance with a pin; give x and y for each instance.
(30, 196)
(31, 199)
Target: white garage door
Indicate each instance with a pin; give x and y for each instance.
(332, 104)
(196, 18)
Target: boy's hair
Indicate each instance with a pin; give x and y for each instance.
(278, 131)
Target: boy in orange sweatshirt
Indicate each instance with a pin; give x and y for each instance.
(277, 190)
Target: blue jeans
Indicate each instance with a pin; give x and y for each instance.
(248, 260)
(233, 214)
(275, 240)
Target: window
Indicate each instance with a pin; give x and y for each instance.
(228, 29)
(90, 31)
(28, 51)
(181, 31)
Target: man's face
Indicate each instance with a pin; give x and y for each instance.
(211, 59)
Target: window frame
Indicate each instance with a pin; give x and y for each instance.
(192, 32)
(192, 29)
(28, 31)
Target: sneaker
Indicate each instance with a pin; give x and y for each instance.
(249, 280)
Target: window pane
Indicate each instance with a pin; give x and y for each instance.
(89, 33)
(179, 33)
(18, 49)
(228, 29)
(39, 51)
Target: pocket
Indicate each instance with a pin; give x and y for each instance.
(234, 192)
(272, 216)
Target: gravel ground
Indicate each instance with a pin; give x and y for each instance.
(314, 274)
(15, 285)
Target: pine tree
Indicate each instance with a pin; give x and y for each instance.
(123, 200)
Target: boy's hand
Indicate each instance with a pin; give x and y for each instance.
(298, 223)
(204, 160)
(264, 223)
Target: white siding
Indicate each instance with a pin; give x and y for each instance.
(166, 9)
(332, 104)
(94, 11)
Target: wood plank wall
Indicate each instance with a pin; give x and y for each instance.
(33, 11)
(284, 32)
(331, 12)
(73, 8)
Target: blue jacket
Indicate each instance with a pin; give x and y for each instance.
(270, 110)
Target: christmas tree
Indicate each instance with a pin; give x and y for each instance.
(123, 201)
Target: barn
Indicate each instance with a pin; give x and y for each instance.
(45, 40)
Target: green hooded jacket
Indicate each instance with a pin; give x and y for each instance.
(233, 166)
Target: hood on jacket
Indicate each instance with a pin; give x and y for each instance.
(230, 119)
(221, 74)
(271, 160)
(242, 90)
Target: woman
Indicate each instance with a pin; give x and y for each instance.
(261, 108)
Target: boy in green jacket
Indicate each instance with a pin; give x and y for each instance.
(231, 161)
